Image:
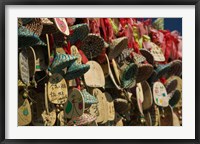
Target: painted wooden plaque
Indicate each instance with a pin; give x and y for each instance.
(160, 94)
(62, 25)
(75, 106)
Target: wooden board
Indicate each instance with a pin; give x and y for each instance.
(101, 105)
(157, 53)
(57, 89)
(160, 94)
(62, 25)
(75, 105)
(24, 67)
(94, 77)
(75, 52)
(111, 109)
(24, 111)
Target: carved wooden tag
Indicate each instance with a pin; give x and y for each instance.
(24, 67)
(157, 53)
(57, 89)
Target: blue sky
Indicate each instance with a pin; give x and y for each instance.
(173, 24)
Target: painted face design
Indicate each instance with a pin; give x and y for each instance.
(75, 105)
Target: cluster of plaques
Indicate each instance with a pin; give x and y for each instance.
(97, 72)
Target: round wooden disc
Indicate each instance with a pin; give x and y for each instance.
(157, 53)
(75, 52)
(94, 77)
(24, 67)
(24, 111)
(140, 97)
(57, 89)
(40, 116)
(111, 109)
(75, 105)
(101, 108)
(31, 61)
(160, 94)
(62, 25)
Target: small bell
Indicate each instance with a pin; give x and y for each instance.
(163, 116)
(58, 110)
(25, 94)
(142, 120)
(163, 113)
(61, 106)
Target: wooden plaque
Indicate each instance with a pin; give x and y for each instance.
(24, 111)
(57, 89)
(160, 94)
(75, 105)
(62, 25)
(94, 77)
(24, 67)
